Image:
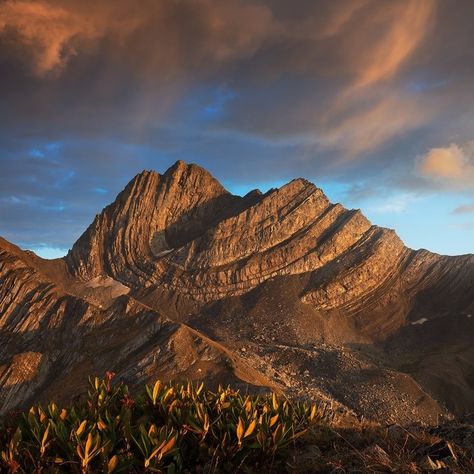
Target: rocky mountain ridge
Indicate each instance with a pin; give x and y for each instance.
(178, 278)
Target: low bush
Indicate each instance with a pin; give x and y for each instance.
(167, 428)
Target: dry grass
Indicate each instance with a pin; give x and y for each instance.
(370, 448)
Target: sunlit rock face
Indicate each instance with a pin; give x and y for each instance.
(177, 278)
(153, 215)
(183, 231)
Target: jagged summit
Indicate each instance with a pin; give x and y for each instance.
(183, 231)
(186, 216)
(153, 214)
(180, 279)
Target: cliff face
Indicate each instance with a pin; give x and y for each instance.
(260, 289)
(184, 232)
(151, 216)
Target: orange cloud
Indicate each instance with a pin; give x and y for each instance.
(54, 32)
(375, 41)
(165, 32)
(368, 39)
(41, 28)
(450, 165)
(393, 34)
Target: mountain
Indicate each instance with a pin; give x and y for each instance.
(180, 279)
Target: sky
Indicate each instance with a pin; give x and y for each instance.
(372, 100)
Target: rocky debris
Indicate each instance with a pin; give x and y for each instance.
(338, 373)
(438, 451)
(378, 453)
(459, 433)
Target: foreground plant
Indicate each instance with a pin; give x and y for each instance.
(168, 428)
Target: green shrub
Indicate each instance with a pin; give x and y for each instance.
(167, 428)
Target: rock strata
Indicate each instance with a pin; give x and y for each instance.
(178, 278)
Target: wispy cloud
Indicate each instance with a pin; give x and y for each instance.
(464, 226)
(464, 209)
(394, 204)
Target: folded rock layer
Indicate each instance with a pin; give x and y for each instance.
(180, 279)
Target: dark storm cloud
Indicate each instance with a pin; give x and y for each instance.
(95, 91)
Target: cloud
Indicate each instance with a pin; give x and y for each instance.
(444, 163)
(320, 75)
(254, 90)
(52, 32)
(370, 125)
(450, 165)
(397, 30)
(357, 44)
(148, 35)
(394, 205)
(464, 209)
(464, 226)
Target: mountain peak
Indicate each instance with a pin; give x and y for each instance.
(179, 165)
(179, 179)
(171, 229)
(153, 214)
(145, 174)
(178, 168)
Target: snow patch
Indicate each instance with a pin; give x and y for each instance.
(158, 245)
(115, 287)
(419, 321)
(163, 253)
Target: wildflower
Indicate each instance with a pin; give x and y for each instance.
(128, 401)
(14, 466)
(109, 375)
